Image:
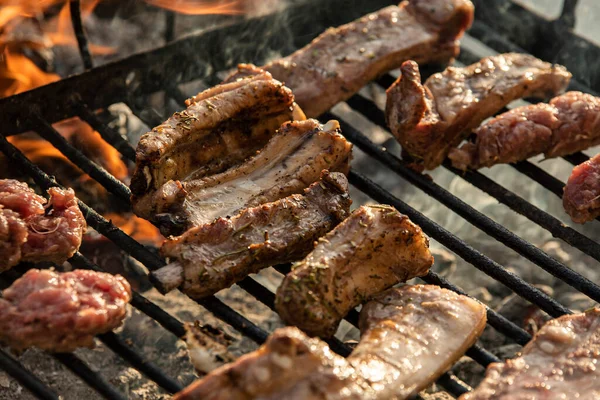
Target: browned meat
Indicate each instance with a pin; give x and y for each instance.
(581, 197)
(409, 337)
(428, 120)
(31, 230)
(560, 362)
(291, 160)
(342, 60)
(212, 257)
(221, 127)
(570, 123)
(61, 312)
(375, 248)
(287, 359)
(413, 334)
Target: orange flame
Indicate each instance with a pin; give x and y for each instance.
(142, 230)
(202, 7)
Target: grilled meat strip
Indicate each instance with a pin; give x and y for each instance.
(33, 229)
(569, 123)
(560, 362)
(409, 337)
(221, 127)
(581, 198)
(428, 120)
(291, 160)
(375, 248)
(342, 60)
(61, 312)
(212, 257)
(413, 334)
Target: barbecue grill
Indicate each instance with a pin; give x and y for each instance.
(501, 25)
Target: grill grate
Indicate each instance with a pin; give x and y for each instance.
(158, 69)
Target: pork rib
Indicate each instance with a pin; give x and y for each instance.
(569, 123)
(375, 248)
(291, 160)
(581, 197)
(33, 229)
(212, 257)
(428, 120)
(410, 336)
(221, 127)
(342, 60)
(560, 362)
(61, 312)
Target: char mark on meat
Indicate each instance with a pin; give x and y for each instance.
(34, 230)
(212, 257)
(220, 128)
(581, 197)
(373, 249)
(342, 60)
(569, 123)
(429, 119)
(291, 161)
(427, 326)
(61, 312)
(560, 362)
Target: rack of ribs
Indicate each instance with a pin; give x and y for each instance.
(214, 256)
(372, 250)
(429, 119)
(409, 337)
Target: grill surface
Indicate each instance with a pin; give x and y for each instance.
(200, 57)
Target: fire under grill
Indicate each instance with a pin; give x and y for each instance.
(202, 56)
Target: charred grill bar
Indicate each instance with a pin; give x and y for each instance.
(181, 61)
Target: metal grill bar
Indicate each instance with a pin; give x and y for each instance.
(458, 246)
(109, 135)
(26, 378)
(82, 42)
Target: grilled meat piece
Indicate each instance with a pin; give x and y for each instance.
(428, 120)
(560, 362)
(409, 337)
(581, 197)
(291, 160)
(373, 249)
(286, 360)
(34, 230)
(568, 124)
(61, 312)
(212, 257)
(221, 127)
(413, 334)
(342, 60)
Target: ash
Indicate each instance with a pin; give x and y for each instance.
(170, 354)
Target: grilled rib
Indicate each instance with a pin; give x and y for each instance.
(221, 127)
(375, 248)
(560, 362)
(342, 60)
(428, 120)
(413, 334)
(61, 312)
(569, 123)
(212, 257)
(291, 160)
(33, 229)
(581, 197)
(409, 337)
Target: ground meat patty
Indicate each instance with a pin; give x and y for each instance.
(60, 312)
(34, 229)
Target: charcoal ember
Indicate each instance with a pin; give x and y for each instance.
(523, 313)
(61, 312)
